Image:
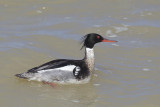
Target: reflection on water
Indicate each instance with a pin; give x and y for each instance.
(127, 72)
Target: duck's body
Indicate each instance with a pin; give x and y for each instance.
(67, 71)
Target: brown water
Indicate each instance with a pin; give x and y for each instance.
(127, 73)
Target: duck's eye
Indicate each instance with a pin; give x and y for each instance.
(98, 37)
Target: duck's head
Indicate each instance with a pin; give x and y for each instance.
(92, 38)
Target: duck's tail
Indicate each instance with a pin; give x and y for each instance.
(24, 75)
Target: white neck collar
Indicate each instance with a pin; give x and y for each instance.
(89, 58)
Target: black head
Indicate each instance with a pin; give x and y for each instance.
(91, 39)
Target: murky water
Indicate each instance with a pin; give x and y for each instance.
(127, 73)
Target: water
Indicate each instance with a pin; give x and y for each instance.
(126, 73)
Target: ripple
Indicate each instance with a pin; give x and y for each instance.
(75, 101)
(146, 69)
(115, 44)
(39, 11)
(96, 84)
(43, 8)
(121, 29)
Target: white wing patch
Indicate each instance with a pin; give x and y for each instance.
(64, 68)
(77, 69)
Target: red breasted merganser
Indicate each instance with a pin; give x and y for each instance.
(65, 70)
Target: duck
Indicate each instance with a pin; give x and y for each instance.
(66, 71)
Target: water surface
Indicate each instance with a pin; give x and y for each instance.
(126, 73)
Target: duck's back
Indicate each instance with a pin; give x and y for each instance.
(61, 70)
